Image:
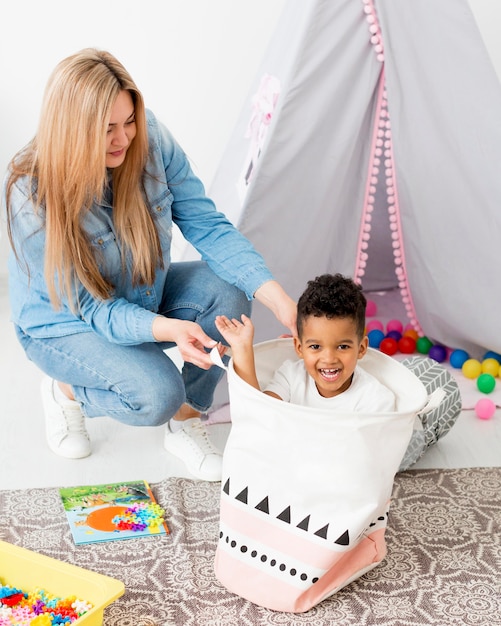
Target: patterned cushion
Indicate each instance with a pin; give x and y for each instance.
(439, 421)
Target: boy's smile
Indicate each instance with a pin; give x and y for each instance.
(330, 349)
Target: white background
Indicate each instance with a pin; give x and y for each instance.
(194, 61)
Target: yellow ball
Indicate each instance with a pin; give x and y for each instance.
(472, 368)
(490, 366)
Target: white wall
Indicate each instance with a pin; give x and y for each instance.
(193, 60)
(487, 14)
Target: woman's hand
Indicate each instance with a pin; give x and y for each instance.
(273, 296)
(191, 340)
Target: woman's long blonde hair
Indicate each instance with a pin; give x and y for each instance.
(67, 160)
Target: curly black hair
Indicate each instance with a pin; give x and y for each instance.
(332, 296)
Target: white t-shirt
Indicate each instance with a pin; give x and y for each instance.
(366, 394)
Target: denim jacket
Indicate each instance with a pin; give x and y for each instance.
(175, 195)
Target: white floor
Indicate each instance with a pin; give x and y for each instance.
(125, 453)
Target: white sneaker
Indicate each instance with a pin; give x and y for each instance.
(192, 445)
(64, 424)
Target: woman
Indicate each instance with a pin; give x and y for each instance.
(95, 299)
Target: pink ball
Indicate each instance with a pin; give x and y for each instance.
(485, 408)
(371, 308)
(374, 325)
(394, 325)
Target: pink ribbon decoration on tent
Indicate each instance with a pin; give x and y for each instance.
(382, 161)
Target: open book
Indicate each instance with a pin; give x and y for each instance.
(114, 511)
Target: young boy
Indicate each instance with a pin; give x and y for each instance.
(330, 341)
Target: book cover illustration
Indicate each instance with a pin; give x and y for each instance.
(113, 511)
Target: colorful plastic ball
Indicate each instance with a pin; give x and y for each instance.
(490, 366)
(492, 355)
(486, 383)
(472, 368)
(411, 332)
(394, 325)
(407, 344)
(375, 325)
(438, 353)
(394, 334)
(423, 345)
(389, 346)
(371, 308)
(485, 408)
(458, 357)
(375, 337)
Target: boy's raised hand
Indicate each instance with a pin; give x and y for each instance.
(240, 337)
(236, 334)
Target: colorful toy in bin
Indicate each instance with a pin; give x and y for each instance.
(38, 607)
(46, 579)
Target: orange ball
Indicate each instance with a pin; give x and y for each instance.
(410, 332)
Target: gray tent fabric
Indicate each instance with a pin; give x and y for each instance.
(305, 204)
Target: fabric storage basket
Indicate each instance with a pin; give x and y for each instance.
(305, 492)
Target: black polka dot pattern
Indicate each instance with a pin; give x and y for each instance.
(265, 558)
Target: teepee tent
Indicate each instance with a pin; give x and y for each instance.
(373, 149)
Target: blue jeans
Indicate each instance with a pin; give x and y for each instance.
(140, 385)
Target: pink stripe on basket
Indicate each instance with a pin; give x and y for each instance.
(316, 552)
(276, 593)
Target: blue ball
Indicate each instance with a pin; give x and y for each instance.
(375, 336)
(458, 357)
(492, 355)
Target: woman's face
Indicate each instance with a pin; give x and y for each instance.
(121, 129)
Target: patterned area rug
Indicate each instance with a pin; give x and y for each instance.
(443, 564)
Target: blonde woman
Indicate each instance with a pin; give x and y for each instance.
(95, 299)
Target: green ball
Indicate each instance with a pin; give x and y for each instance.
(423, 345)
(486, 383)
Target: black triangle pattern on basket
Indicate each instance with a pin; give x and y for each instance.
(286, 515)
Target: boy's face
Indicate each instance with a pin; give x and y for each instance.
(330, 349)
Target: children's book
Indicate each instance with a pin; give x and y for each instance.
(114, 511)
